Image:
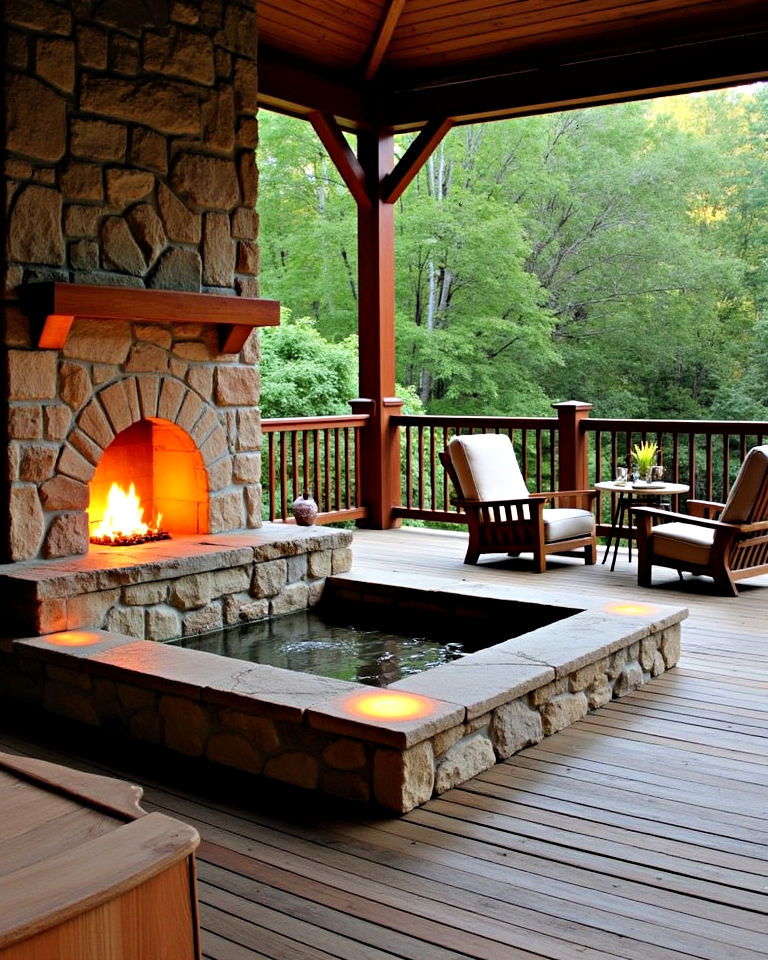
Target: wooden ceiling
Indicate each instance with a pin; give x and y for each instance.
(402, 63)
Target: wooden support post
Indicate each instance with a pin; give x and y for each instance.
(572, 460)
(376, 331)
(376, 184)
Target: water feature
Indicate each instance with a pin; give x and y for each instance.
(348, 646)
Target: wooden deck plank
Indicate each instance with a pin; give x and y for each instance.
(641, 832)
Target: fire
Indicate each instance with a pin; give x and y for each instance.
(123, 520)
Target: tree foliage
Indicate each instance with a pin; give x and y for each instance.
(617, 255)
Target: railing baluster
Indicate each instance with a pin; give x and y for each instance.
(432, 474)
(271, 474)
(284, 475)
(420, 435)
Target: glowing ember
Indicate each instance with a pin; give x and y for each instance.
(385, 705)
(123, 522)
(631, 609)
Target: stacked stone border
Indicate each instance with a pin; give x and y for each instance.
(297, 728)
(179, 587)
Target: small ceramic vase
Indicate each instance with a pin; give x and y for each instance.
(305, 510)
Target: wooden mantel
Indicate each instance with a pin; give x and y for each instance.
(59, 304)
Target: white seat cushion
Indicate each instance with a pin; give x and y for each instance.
(565, 523)
(682, 541)
(487, 468)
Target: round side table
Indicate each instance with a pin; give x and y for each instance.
(626, 494)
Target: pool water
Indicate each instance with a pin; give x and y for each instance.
(346, 647)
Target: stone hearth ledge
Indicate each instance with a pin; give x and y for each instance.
(170, 588)
(296, 727)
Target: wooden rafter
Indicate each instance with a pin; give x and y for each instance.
(343, 157)
(383, 37)
(413, 159)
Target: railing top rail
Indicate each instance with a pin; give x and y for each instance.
(676, 426)
(274, 425)
(530, 423)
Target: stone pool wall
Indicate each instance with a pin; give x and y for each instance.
(305, 730)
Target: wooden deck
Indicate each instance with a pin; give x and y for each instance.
(641, 832)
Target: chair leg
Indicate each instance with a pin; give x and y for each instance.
(726, 586)
(590, 553)
(540, 560)
(471, 555)
(644, 569)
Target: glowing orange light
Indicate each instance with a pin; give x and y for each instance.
(73, 638)
(123, 516)
(390, 705)
(631, 609)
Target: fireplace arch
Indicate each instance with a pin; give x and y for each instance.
(166, 468)
(204, 445)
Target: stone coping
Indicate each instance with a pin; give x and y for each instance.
(105, 567)
(450, 694)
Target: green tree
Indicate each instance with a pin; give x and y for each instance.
(302, 373)
(617, 255)
(307, 231)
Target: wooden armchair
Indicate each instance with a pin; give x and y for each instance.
(503, 517)
(726, 541)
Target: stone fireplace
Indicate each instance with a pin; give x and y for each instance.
(129, 301)
(129, 138)
(151, 403)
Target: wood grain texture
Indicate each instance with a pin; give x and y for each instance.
(61, 303)
(637, 833)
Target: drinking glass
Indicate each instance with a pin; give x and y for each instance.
(621, 474)
(657, 473)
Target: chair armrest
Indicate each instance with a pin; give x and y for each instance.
(589, 495)
(669, 516)
(704, 508)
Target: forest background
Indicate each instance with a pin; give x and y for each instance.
(617, 255)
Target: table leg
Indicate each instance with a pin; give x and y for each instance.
(614, 527)
(622, 512)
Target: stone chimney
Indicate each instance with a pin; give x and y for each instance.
(129, 138)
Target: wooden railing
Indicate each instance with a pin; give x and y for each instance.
(705, 454)
(319, 456)
(322, 455)
(426, 491)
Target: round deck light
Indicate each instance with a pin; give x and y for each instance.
(390, 705)
(74, 638)
(632, 609)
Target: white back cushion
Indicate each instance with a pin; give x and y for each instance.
(487, 467)
(747, 485)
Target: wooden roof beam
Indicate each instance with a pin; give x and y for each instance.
(484, 94)
(287, 85)
(383, 37)
(413, 159)
(343, 157)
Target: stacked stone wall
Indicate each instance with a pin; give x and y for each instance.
(128, 161)
(129, 150)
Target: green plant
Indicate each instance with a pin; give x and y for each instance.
(644, 456)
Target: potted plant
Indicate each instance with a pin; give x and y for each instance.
(644, 457)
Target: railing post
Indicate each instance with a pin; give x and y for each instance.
(572, 461)
(380, 461)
